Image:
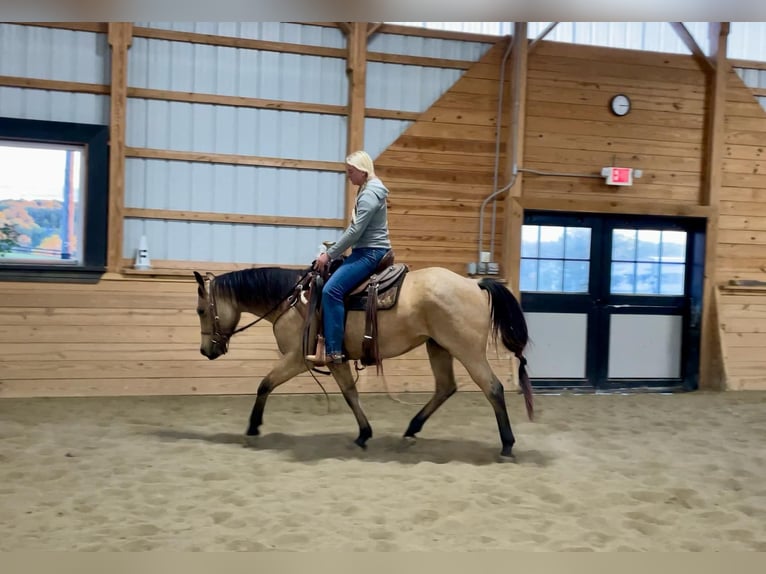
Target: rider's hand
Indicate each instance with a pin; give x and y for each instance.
(321, 262)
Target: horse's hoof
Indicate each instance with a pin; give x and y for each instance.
(507, 457)
(409, 440)
(361, 443)
(249, 440)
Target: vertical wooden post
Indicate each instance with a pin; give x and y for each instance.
(357, 80)
(514, 213)
(717, 81)
(120, 36)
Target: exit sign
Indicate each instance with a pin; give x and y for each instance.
(619, 176)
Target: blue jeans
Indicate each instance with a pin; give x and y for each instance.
(355, 268)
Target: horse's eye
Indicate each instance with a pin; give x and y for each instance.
(200, 312)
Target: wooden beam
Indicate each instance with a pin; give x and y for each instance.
(515, 148)
(97, 27)
(53, 85)
(747, 64)
(233, 159)
(216, 99)
(344, 26)
(120, 36)
(236, 101)
(616, 206)
(716, 136)
(691, 43)
(424, 61)
(215, 217)
(372, 28)
(441, 34)
(234, 42)
(357, 79)
(534, 43)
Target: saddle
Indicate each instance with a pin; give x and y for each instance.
(379, 292)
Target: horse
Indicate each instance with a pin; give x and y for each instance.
(451, 314)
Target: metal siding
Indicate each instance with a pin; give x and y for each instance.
(651, 36)
(407, 88)
(379, 134)
(52, 54)
(207, 128)
(747, 41)
(179, 66)
(753, 79)
(54, 106)
(225, 242)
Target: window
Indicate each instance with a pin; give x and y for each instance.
(648, 262)
(53, 200)
(555, 259)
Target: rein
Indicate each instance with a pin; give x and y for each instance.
(217, 336)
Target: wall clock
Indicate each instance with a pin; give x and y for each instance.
(620, 105)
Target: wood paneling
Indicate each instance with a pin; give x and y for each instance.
(441, 169)
(741, 251)
(123, 337)
(570, 129)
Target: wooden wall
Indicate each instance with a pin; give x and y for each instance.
(570, 129)
(441, 169)
(141, 337)
(742, 241)
(137, 333)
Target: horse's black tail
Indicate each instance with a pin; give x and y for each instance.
(508, 319)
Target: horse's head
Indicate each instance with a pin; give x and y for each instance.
(218, 317)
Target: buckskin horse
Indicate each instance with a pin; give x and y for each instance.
(453, 315)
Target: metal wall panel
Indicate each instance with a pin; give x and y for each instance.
(204, 128)
(754, 79)
(410, 88)
(651, 36)
(747, 41)
(51, 54)
(54, 106)
(225, 129)
(206, 187)
(223, 242)
(379, 134)
(181, 66)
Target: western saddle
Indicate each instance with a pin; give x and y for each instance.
(379, 292)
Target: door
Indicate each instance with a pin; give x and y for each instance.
(613, 302)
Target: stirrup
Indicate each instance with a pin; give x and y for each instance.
(321, 360)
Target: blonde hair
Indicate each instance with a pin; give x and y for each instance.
(361, 160)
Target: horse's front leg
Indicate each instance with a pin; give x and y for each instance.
(288, 367)
(345, 380)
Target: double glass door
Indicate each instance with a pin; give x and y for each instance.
(612, 301)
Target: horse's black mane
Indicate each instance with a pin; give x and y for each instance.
(257, 287)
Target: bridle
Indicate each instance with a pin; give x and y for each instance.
(218, 337)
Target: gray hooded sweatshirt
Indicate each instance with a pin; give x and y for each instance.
(369, 226)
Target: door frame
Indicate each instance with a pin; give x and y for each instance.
(599, 312)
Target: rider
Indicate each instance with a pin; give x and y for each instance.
(368, 237)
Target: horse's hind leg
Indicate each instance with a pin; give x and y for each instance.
(482, 374)
(441, 365)
(345, 380)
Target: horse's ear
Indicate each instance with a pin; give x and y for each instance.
(198, 277)
(210, 275)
